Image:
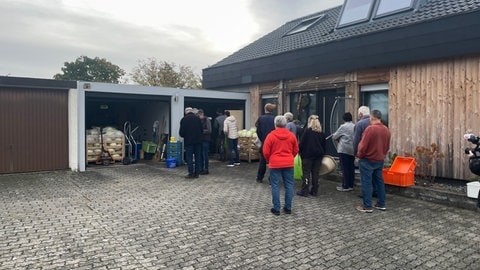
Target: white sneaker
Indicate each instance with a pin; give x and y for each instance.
(344, 189)
(230, 165)
(236, 163)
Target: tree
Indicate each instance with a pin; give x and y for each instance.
(150, 72)
(91, 70)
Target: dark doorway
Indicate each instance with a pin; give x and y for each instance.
(327, 104)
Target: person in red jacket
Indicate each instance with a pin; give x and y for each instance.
(279, 150)
(372, 149)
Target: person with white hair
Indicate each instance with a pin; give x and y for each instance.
(290, 124)
(279, 149)
(360, 126)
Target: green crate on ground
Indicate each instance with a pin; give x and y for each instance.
(149, 147)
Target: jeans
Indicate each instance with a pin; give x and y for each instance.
(287, 175)
(262, 167)
(193, 153)
(233, 145)
(310, 171)
(371, 173)
(205, 150)
(348, 169)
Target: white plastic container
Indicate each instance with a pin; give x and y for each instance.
(472, 189)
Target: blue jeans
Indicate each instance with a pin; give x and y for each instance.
(348, 169)
(275, 176)
(205, 150)
(193, 152)
(233, 145)
(371, 174)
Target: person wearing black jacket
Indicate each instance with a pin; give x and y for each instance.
(311, 150)
(192, 132)
(265, 124)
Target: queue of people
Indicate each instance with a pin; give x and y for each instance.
(367, 140)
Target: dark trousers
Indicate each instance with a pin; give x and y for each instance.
(193, 156)
(233, 145)
(348, 169)
(311, 170)
(262, 167)
(205, 159)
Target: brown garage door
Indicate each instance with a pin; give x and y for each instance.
(33, 130)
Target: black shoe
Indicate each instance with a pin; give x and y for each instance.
(287, 211)
(275, 212)
(190, 176)
(259, 180)
(204, 172)
(303, 194)
(313, 193)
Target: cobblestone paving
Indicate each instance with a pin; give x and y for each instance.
(145, 216)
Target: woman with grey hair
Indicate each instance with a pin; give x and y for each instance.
(279, 150)
(290, 124)
(312, 148)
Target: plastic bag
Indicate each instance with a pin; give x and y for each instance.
(257, 142)
(297, 168)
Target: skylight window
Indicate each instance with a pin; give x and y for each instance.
(304, 25)
(386, 7)
(355, 11)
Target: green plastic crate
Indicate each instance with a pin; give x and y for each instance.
(149, 147)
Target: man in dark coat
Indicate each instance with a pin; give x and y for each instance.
(191, 130)
(265, 124)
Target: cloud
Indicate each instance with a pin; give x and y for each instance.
(43, 34)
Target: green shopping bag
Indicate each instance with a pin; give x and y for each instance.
(297, 168)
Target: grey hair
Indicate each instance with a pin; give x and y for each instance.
(364, 110)
(289, 116)
(280, 121)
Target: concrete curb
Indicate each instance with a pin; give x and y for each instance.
(443, 197)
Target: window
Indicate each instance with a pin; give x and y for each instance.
(304, 25)
(355, 11)
(302, 105)
(376, 98)
(386, 7)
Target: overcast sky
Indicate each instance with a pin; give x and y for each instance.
(38, 36)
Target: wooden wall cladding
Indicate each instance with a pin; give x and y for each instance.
(436, 102)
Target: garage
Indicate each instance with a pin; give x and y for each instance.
(34, 120)
(152, 114)
(45, 123)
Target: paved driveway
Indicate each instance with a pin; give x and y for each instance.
(145, 216)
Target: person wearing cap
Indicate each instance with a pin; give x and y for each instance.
(191, 130)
